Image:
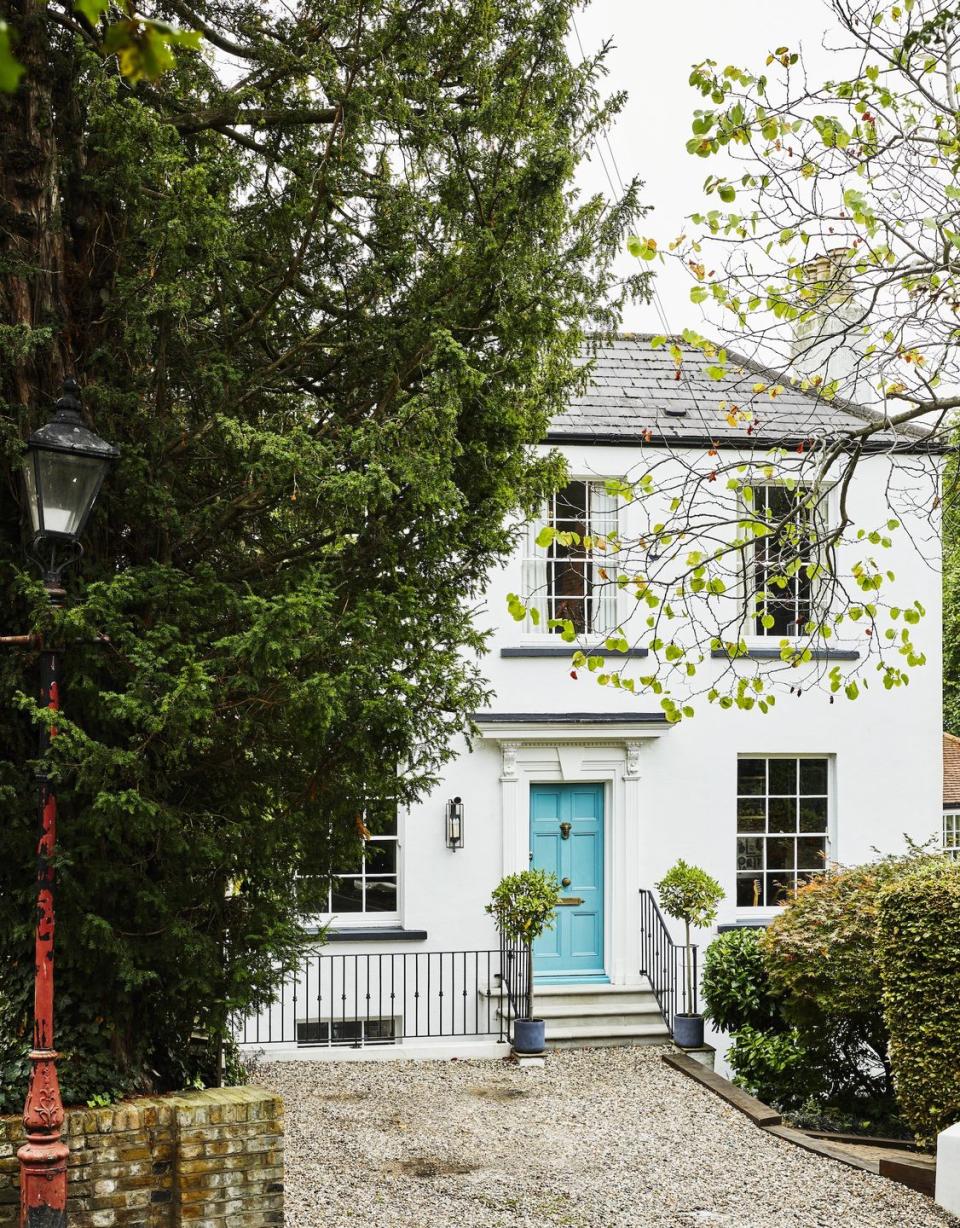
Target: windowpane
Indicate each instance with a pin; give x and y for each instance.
(751, 814)
(783, 814)
(813, 814)
(751, 776)
(783, 776)
(792, 847)
(811, 852)
(813, 775)
(750, 891)
(347, 895)
(381, 895)
(381, 857)
(779, 888)
(780, 853)
(381, 817)
(749, 854)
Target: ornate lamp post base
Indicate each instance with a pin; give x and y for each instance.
(43, 1157)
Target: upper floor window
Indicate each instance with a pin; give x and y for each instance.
(782, 817)
(569, 579)
(780, 587)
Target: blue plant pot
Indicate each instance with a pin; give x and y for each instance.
(528, 1035)
(688, 1031)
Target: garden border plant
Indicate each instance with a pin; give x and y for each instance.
(524, 907)
(689, 894)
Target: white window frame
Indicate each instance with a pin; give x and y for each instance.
(951, 833)
(761, 638)
(534, 558)
(366, 919)
(767, 911)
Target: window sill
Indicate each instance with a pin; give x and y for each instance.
(370, 933)
(534, 650)
(758, 652)
(749, 923)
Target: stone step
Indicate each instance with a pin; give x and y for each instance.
(584, 1036)
(620, 1011)
(584, 993)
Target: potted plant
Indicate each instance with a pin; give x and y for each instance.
(690, 895)
(523, 907)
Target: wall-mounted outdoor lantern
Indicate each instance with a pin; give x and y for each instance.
(455, 823)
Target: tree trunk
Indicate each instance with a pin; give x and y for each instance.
(32, 294)
(529, 980)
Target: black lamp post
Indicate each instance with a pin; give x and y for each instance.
(63, 469)
(64, 466)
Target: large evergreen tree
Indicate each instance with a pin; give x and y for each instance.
(323, 283)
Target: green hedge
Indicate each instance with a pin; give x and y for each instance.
(918, 936)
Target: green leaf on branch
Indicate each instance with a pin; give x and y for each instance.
(144, 48)
(11, 70)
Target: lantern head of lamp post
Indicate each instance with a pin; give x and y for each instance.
(64, 466)
(455, 823)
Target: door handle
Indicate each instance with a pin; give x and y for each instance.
(565, 882)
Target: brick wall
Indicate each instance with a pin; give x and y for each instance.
(211, 1159)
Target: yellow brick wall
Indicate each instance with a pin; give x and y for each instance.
(211, 1159)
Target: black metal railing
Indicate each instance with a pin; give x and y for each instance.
(356, 1000)
(663, 963)
(515, 978)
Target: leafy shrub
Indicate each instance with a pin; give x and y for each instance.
(918, 941)
(803, 999)
(821, 952)
(736, 987)
(776, 1066)
(822, 960)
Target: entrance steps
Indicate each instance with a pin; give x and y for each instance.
(589, 1015)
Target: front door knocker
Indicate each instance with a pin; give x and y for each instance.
(565, 831)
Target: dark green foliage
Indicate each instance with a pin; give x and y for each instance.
(773, 1065)
(804, 999)
(736, 988)
(325, 308)
(951, 599)
(918, 937)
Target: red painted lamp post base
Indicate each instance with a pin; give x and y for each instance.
(43, 1157)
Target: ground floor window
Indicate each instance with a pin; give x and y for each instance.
(369, 883)
(951, 834)
(782, 817)
(348, 1032)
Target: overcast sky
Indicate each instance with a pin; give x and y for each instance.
(655, 45)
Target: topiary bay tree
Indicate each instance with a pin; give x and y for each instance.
(324, 283)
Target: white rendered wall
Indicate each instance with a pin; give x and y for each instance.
(678, 799)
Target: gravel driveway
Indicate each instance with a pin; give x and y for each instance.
(600, 1138)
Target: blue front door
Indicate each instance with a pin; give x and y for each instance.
(566, 837)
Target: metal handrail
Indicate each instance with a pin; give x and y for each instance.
(356, 1000)
(663, 962)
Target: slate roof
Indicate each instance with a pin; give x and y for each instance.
(951, 772)
(634, 388)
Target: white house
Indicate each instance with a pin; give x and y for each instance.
(595, 784)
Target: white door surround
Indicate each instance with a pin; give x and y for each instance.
(550, 749)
